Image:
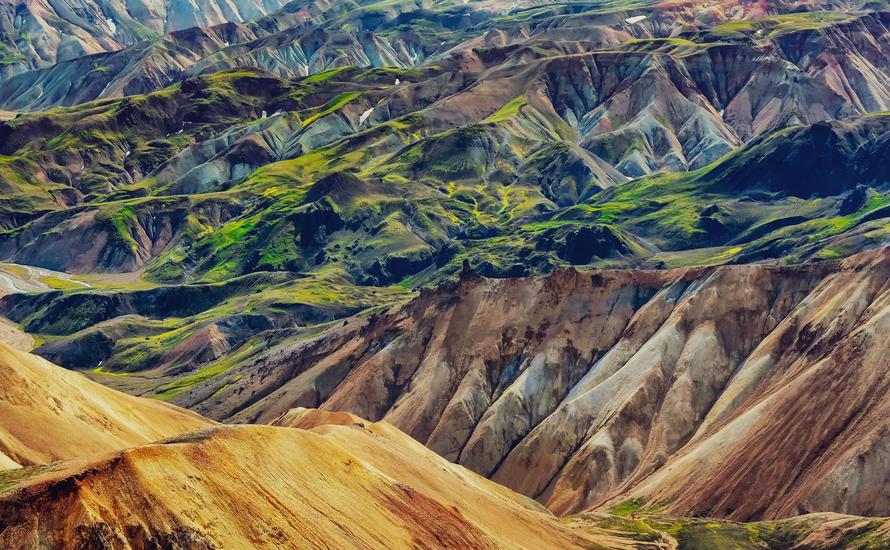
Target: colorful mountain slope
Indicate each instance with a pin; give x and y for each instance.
(579, 389)
(337, 481)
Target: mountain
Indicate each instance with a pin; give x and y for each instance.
(621, 261)
(39, 33)
(130, 51)
(51, 414)
(140, 215)
(351, 238)
(529, 126)
(506, 148)
(582, 389)
(318, 479)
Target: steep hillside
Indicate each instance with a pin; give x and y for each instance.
(507, 149)
(580, 388)
(301, 39)
(50, 414)
(131, 52)
(482, 182)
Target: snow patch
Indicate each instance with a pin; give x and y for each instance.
(634, 19)
(111, 25)
(364, 116)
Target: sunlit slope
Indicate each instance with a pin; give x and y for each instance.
(358, 485)
(48, 413)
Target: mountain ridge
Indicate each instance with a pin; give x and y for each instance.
(505, 399)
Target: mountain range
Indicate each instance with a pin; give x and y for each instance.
(617, 268)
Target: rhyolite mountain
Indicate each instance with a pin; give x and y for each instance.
(692, 387)
(625, 256)
(136, 476)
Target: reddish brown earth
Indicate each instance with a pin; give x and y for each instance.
(366, 486)
(746, 392)
(315, 478)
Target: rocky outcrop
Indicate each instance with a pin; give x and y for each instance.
(805, 413)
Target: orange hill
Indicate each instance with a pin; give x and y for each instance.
(318, 479)
(360, 485)
(49, 413)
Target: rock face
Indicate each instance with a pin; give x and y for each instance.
(698, 387)
(50, 414)
(806, 413)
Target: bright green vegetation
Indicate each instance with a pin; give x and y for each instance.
(164, 338)
(675, 46)
(332, 106)
(627, 508)
(779, 25)
(793, 22)
(10, 479)
(8, 56)
(183, 384)
(507, 112)
(323, 76)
